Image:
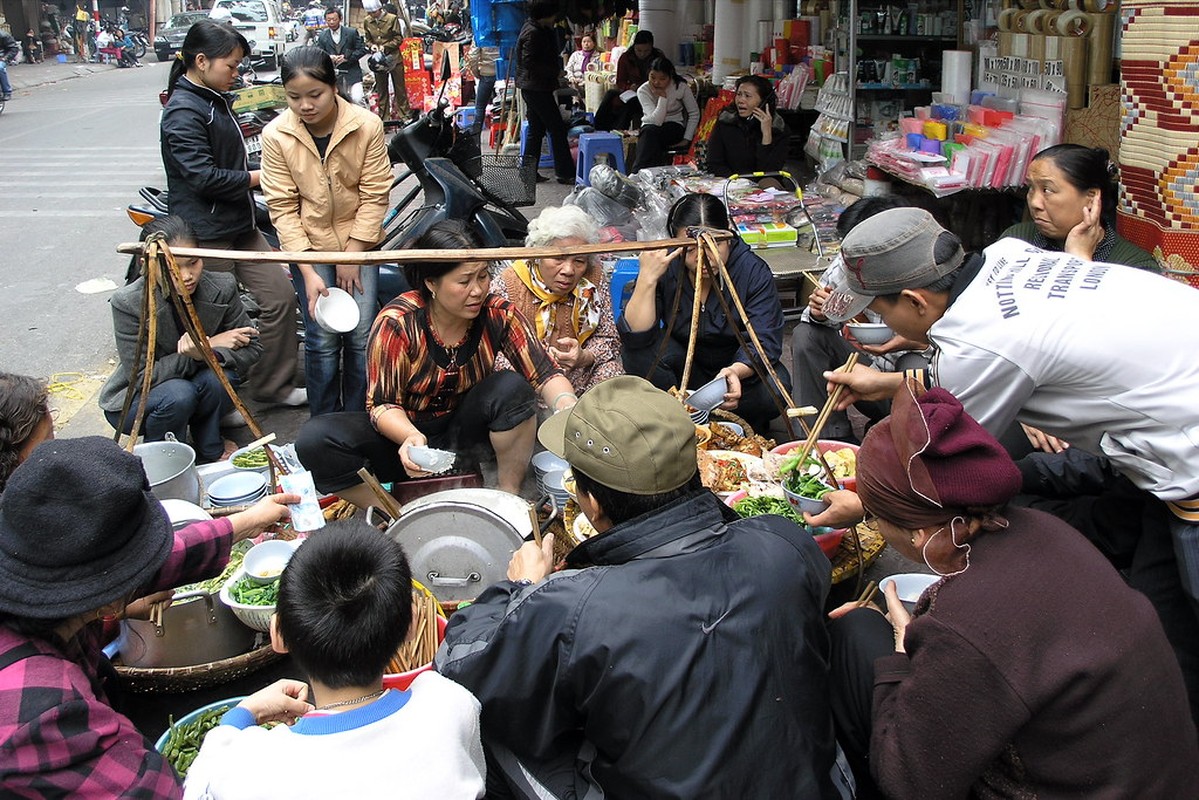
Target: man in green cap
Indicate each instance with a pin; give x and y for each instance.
(679, 648)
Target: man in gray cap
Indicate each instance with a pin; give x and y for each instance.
(1023, 334)
(680, 653)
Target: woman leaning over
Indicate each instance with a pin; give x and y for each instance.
(1030, 669)
(431, 379)
(80, 535)
(326, 177)
(567, 298)
(209, 182)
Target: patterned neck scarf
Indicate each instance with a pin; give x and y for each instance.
(1102, 250)
(585, 315)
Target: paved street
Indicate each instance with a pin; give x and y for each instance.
(73, 155)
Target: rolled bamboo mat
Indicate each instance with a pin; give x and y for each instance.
(1099, 55)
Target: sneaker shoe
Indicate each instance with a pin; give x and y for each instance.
(7, 97)
(297, 397)
(233, 419)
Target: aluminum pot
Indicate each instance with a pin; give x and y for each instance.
(197, 631)
(459, 541)
(171, 468)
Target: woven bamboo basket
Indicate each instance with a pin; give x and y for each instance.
(167, 680)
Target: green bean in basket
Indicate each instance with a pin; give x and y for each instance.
(249, 592)
(251, 459)
(183, 743)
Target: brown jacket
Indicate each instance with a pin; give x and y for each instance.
(320, 204)
(386, 31)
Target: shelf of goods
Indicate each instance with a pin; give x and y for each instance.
(893, 55)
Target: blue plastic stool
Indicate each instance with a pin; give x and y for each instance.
(622, 275)
(590, 146)
(547, 156)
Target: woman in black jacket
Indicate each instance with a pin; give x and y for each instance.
(538, 76)
(209, 183)
(749, 136)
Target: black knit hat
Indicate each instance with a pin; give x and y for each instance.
(79, 529)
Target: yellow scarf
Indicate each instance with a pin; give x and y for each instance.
(585, 315)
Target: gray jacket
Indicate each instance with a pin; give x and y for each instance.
(219, 308)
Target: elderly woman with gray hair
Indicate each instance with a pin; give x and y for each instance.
(566, 299)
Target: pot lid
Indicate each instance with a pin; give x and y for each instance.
(456, 549)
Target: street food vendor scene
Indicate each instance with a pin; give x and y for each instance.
(701, 399)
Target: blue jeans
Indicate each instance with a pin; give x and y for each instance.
(178, 404)
(5, 86)
(335, 363)
(484, 92)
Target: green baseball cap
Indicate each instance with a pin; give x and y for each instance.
(626, 434)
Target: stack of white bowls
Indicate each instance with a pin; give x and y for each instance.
(238, 489)
(554, 483)
(545, 463)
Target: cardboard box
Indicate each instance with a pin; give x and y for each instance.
(768, 234)
(252, 98)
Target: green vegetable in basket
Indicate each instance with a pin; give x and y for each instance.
(805, 481)
(213, 585)
(249, 592)
(183, 743)
(756, 506)
(251, 459)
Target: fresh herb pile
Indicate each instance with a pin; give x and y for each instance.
(249, 592)
(251, 459)
(755, 506)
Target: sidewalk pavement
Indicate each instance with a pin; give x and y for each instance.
(27, 76)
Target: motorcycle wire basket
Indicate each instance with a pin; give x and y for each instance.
(505, 177)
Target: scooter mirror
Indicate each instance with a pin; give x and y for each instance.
(445, 68)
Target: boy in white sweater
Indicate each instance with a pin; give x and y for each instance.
(345, 606)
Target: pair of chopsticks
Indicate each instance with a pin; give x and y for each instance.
(825, 412)
(157, 610)
(867, 594)
(390, 506)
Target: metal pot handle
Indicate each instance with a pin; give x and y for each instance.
(170, 437)
(436, 579)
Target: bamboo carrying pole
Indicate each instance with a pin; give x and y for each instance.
(159, 257)
(376, 257)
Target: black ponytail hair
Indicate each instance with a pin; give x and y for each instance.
(666, 67)
(213, 39)
(697, 210)
(448, 234)
(1087, 168)
(310, 61)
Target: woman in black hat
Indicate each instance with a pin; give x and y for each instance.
(80, 535)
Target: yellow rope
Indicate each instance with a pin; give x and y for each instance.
(64, 383)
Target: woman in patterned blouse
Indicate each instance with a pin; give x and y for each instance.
(431, 379)
(567, 299)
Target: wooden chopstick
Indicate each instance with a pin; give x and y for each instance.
(389, 504)
(867, 594)
(536, 524)
(826, 411)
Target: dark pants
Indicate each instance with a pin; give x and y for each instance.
(179, 404)
(652, 143)
(757, 406)
(544, 117)
(615, 114)
(274, 376)
(335, 446)
(856, 640)
(816, 349)
(484, 92)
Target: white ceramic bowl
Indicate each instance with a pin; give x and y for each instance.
(182, 513)
(237, 487)
(870, 333)
(337, 311)
(264, 562)
(431, 459)
(732, 426)
(545, 461)
(909, 586)
(802, 504)
(710, 395)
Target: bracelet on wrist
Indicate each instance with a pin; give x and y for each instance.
(554, 404)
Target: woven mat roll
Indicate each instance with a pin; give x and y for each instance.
(1099, 53)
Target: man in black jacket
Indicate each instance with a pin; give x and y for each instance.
(538, 76)
(682, 652)
(345, 46)
(8, 55)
